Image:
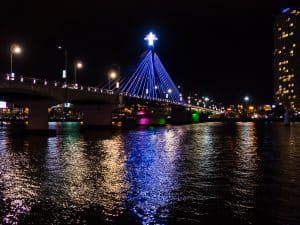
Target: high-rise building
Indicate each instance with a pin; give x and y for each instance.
(287, 59)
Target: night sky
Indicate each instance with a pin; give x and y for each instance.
(221, 48)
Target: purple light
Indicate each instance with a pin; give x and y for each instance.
(144, 121)
(140, 113)
(285, 10)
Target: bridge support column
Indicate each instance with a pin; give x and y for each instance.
(38, 116)
(97, 115)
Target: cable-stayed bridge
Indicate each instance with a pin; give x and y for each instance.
(150, 83)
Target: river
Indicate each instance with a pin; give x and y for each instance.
(207, 173)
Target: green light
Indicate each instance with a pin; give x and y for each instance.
(162, 121)
(151, 128)
(195, 117)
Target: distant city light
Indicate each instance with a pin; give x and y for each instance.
(3, 105)
(169, 91)
(285, 10)
(206, 99)
(151, 38)
(67, 105)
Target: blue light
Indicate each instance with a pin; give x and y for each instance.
(285, 10)
(151, 38)
(151, 80)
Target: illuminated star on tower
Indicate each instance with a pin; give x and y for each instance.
(151, 38)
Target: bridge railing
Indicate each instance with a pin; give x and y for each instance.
(64, 85)
(57, 84)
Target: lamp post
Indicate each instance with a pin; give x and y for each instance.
(112, 75)
(64, 73)
(14, 50)
(246, 99)
(77, 65)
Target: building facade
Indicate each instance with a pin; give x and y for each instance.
(287, 59)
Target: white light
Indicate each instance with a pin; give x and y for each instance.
(169, 91)
(64, 74)
(151, 38)
(113, 75)
(147, 91)
(2, 105)
(117, 84)
(79, 65)
(246, 98)
(156, 87)
(15, 49)
(206, 99)
(67, 105)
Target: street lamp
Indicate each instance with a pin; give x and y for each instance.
(246, 99)
(14, 50)
(77, 65)
(112, 75)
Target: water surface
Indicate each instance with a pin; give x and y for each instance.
(208, 173)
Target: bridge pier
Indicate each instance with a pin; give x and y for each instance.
(38, 116)
(97, 115)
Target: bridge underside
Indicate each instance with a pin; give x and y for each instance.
(96, 111)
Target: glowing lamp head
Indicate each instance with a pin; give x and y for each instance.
(246, 98)
(206, 99)
(79, 65)
(150, 38)
(169, 91)
(15, 49)
(113, 75)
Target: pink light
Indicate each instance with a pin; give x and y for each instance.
(140, 113)
(144, 121)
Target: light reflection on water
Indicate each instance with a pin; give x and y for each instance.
(243, 173)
